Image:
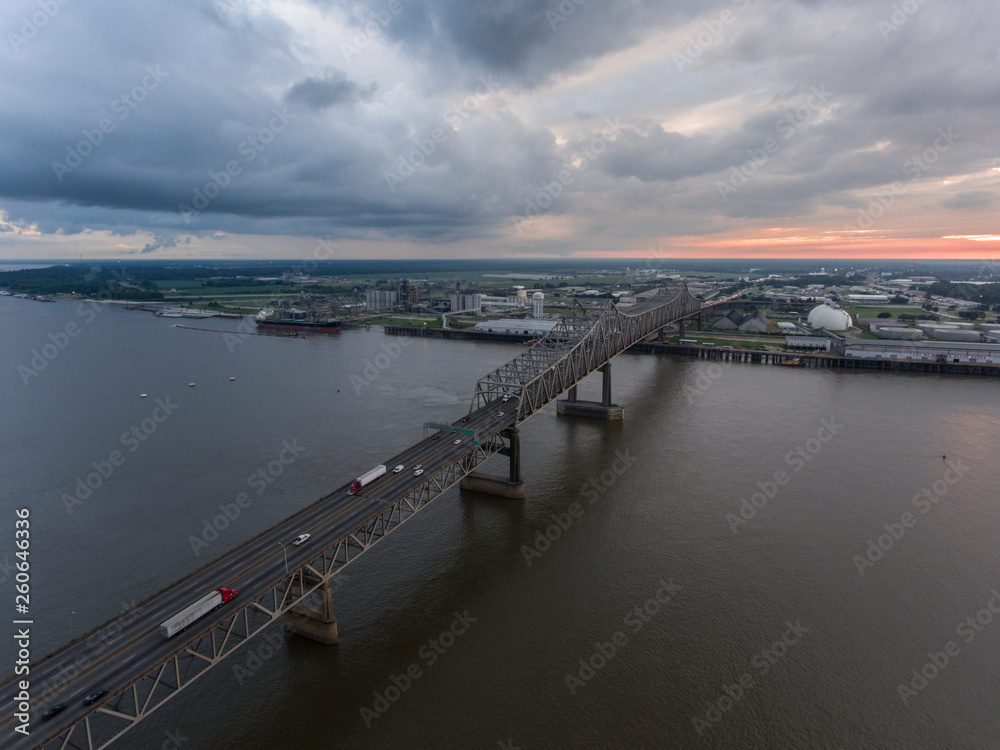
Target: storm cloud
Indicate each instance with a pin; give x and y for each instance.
(521, 126)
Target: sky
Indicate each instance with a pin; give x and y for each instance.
(333, 129)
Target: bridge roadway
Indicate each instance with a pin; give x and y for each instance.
(129, 655)
(117, 661)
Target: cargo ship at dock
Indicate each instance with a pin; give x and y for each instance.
(295, 320)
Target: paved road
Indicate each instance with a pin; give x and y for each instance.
(128, 647)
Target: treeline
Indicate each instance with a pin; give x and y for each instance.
(987, 294)
(94, 283)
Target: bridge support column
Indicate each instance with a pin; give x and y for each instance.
(571, 394)
(603, 410)
(316, 624)
(681, 324)
(511, 487)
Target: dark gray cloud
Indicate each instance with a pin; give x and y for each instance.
(449, 116)
(332, 89)
(975, 199)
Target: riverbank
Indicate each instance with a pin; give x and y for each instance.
(749, 356)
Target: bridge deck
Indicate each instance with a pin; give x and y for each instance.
(142, 670)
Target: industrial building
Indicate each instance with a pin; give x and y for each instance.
(529, 326)
(733, 321)
(466, 303)
(380, 299)
(829, 317)
(814, 343)
(927, 351)
(870, 299)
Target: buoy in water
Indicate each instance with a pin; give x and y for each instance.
(142, 395)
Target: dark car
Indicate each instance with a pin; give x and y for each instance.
(52, 711)
(94, 696)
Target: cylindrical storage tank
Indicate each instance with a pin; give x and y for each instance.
(955, 334)
(900, 333)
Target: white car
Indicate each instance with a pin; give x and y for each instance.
(299, 539)
(418, 472)
(398, 469)
(456, 442)
(499, 413)
(418, 466)
(506, 399)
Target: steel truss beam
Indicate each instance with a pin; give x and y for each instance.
(234, 628)
(583, 342)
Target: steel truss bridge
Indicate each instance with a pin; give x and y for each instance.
(142, 670)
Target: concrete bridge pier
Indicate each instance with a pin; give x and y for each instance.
(512, 486)
(592, 409)
(316, 624)
(680, 323)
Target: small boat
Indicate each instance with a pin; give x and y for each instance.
(794, 362)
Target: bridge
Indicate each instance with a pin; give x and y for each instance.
(141, 670)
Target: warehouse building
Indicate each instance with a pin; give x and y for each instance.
(529, 326)
(926, 351)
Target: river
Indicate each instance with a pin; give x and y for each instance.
(755, 557)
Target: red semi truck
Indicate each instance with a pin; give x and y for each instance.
(192, 612)
(367, 478)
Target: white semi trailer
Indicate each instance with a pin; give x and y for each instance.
(367, 478)
(192, 612)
